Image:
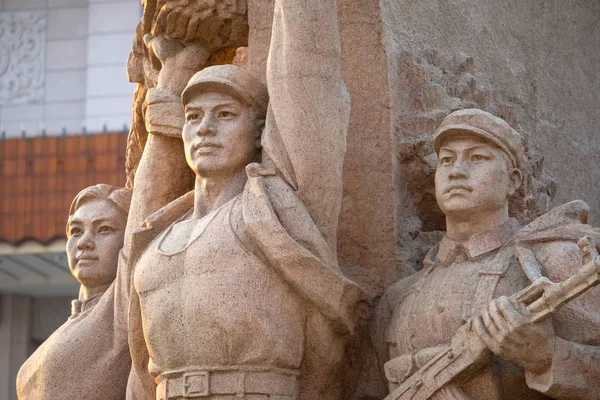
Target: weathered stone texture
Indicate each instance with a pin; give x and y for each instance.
(533, 64)
(366, 230)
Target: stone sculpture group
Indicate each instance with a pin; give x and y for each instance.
(233, 289)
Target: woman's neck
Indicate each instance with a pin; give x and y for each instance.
(86, 293)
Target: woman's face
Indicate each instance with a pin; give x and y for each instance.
(96, 232)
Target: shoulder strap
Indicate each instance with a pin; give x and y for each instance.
(487, 282)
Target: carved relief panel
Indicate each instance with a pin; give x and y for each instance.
(22, 55)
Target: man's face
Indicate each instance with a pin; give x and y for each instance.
(220, 135)
(95, 237)
(472, 177)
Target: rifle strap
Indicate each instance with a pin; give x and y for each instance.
(489, 276)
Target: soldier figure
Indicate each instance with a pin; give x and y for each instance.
(469, 275)
(235, 287)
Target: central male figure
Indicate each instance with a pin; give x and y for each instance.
(238, 293)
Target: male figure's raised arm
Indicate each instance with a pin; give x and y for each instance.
(305, 133)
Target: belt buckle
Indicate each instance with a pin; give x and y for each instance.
(196, 383)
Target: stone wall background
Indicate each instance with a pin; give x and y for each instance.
(535, 64)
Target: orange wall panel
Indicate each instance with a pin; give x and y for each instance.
(39, 177)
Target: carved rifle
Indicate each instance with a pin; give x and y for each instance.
(440, 378)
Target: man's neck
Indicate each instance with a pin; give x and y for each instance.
(211, 193)
(463, 227)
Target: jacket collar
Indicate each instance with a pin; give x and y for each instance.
(157, 222)
(450, 250)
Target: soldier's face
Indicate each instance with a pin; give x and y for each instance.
(220, 135)
(473, 177)
(96, 232)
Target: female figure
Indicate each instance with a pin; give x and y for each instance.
(84, 359)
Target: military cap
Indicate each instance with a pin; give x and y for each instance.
(485, 125)
(229, 79)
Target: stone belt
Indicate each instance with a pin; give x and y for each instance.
(239, 382)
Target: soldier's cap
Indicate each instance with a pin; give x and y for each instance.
(229, 79)
(485, 125)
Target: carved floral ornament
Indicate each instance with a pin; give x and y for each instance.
(22, 44)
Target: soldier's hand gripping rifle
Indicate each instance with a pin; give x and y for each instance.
(440, 378)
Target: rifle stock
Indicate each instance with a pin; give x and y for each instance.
(466, 354)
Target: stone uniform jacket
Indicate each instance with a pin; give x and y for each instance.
(278, 229)
(80, 357)
(574, 372)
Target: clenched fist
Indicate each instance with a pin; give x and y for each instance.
(508, 333)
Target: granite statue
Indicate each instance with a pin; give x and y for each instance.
(481, 319)
(82, 355)
(235, 287)
(174, 39)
